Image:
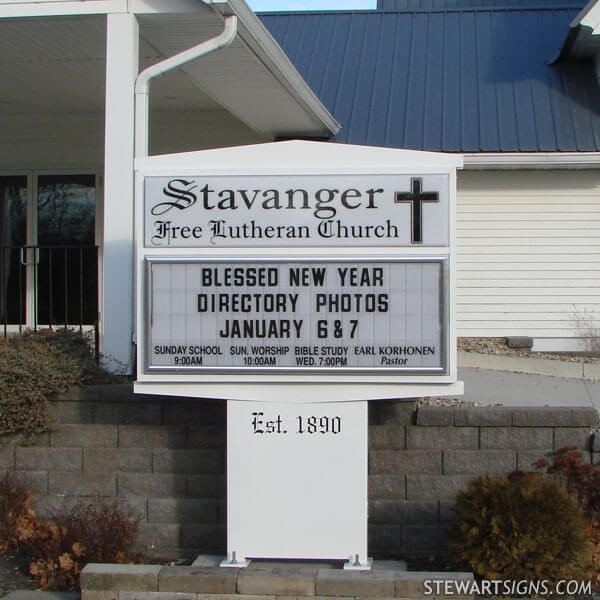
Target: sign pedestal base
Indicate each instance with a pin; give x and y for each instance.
(233, 562)
(297, 481)
(356, 565)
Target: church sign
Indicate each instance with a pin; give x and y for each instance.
(296, 281)
(354, 210)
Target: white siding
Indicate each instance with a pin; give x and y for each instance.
(528, 251)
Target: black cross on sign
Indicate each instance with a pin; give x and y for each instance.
(416, 198)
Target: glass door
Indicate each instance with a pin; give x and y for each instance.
(13, 236)
(67, 261)
(48, 254)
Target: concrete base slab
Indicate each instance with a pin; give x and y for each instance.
(389, 565)
(208, 560)
(296, 565)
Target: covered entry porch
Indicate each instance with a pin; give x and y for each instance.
(67, 78)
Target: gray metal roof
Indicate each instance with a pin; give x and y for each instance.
(453, 80)
(444, 4)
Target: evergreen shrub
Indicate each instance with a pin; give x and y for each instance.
(520, 527)
(36, 364)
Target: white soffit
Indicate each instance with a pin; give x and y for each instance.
(57, 65)
(252, 79)
(302, 156)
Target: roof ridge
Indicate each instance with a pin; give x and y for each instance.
(453, 9)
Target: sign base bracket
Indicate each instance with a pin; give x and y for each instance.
(234, 562)
(355, 564)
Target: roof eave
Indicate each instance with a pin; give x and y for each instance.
(531, 160)
(270, 53)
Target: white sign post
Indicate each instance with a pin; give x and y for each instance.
(297, 280)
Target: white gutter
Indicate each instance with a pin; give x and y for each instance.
(532, 160)
(261, 43)
(142, 84)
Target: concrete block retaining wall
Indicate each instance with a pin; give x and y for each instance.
(166, 458)
(153, 582)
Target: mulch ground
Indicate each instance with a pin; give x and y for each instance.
(13, 574)
(498, 346)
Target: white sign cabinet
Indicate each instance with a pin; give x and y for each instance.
(297, 280)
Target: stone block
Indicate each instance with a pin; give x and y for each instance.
(277, 582)
(401, 412)
(421, 488)
(122, 392)
(49, 507)
(210, 437)
(387, 487)
(584, 416)
(110, 460)
(82, 484)
(99, 595)
(70, 395)
(208, 538)
(36, 481)
(491, 462)
(182, 510)
(138, 507)
(221, 511)
(159, 535)
(156, 596)
(546, 416)
(520, 342)
(86, 436)
(385, 541)
(527, 458)
(399, 512)
(7, 458)
(213, 580)
(157, 485)
(405, 461)
(423, 538)
(411, 584)
(71, 412)
(333, 582)
(516, 438)
(118, 413)
(578, 437)
(238, 597)
(122, 578)
(151, 436)
(490, 416)
(446, 511)
(36, 440)
(442, 438)
(177, 412)
(48, 459)
(187, 461)
(386, 437)
(435, 416)
(205, 486)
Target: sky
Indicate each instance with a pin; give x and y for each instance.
(310, 4)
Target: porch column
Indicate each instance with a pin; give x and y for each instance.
(122, 48)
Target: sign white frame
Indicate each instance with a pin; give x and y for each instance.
(298, 158)
(408, 370)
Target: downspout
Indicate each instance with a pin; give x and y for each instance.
(142, 84)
